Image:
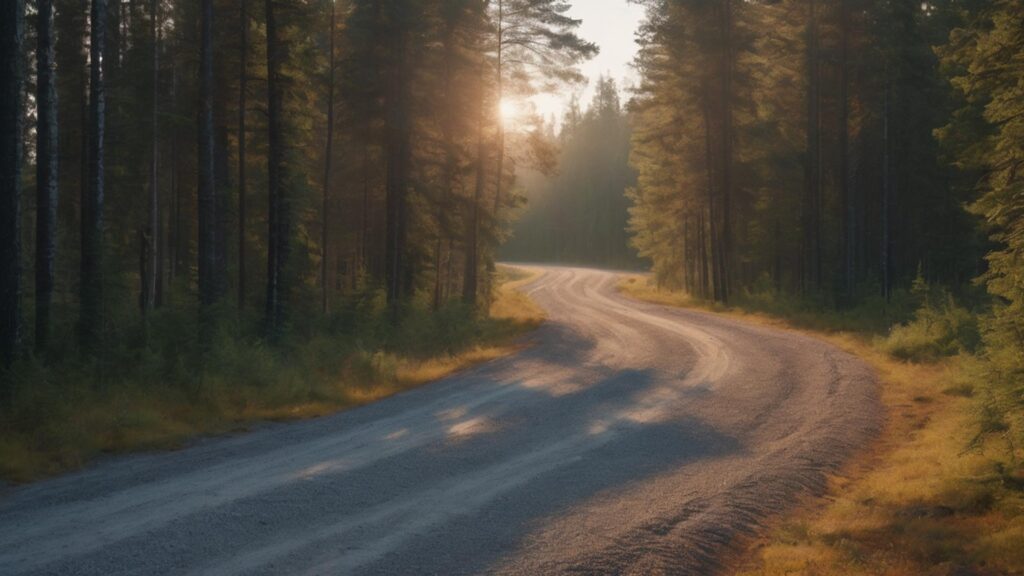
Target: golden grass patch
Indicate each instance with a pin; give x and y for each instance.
(62, 425)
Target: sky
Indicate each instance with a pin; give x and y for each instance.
(611, 25)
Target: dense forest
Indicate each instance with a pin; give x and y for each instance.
(276, 156)
(855, 155)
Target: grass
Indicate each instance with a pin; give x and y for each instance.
(150, 397)
(941, 491)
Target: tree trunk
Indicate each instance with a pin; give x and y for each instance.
(46, 173)
(886, 255)
(727, 151)
(398, 153)
(206, 190)
(470, 281)
(12, 37)
(149, 280)
(846, 192)
(279, 217)
(714, 245)
(448, 129)
(499, 148)
(812, 163)
(328, 151)
(364, 209)
(243, 80)
(91, 285)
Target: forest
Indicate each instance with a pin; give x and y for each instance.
(219, 213)
(196, 191)
(578, 213)
(856, 160)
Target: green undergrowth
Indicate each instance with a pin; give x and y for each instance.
(152, 386)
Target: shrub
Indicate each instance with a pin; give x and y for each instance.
(940, 328)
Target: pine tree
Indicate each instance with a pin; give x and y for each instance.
(207, 192)
(46, 173)
(91, 282)
(985, 58)
(12, 34)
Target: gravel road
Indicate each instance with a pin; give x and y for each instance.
(630, 439)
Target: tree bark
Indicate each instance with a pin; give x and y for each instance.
(470, 278)
(279, 217)
(846, 193)
(149, 280)
(713, 239)
(12, 37)
(328, 152)
(500, 143)
(91, 284)
(206, 190)
(727, 151)
(812, 163)
(46, 172)
(243, 95)
(398, 153)
(886, 247)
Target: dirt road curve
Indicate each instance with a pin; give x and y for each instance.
(632, 439)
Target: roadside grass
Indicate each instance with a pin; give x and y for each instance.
(150, 397)
(941, 491)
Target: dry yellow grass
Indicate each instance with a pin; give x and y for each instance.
(65, 424)
(932, 495)
(510, 303)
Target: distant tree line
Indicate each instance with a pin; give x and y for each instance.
(270, 155)
(579, 214)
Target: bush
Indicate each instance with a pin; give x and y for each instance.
(940, 328)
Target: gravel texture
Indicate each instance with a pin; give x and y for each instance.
(630, 439)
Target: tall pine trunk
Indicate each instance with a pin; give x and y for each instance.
(726, 143)
(328, 152)
(398, 154)
(12, 35)
(91, 284)
(46, 172)
(243, 78)
(448, 129)
(279, 217)
(885, 261)
(811, 220)
(470, 277)
(714, 279)
(499, 148)
(207, 200)
(849, 229)
(149, 281)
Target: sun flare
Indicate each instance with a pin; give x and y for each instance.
(508, 111)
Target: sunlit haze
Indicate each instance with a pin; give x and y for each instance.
(611, 24)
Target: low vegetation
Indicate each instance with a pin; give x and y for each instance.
(942, 490)
(159, 391)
